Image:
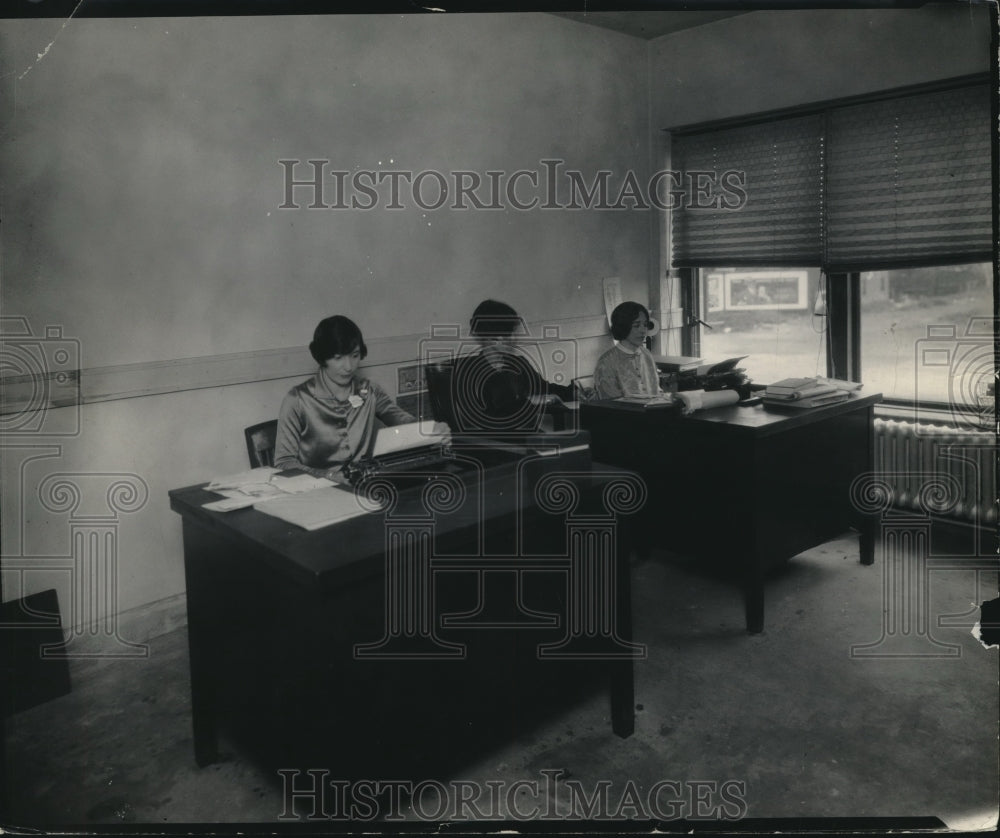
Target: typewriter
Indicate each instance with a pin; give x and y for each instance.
(412, 453)
(398, 450)
(725, 375)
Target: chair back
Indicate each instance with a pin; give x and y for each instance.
(439, 384)
(260, 443)
(584, 387)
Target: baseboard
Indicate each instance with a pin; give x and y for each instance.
(134, 628)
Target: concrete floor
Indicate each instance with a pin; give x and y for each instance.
(785, 724)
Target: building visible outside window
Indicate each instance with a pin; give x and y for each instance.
(926, 333)
(774, 316)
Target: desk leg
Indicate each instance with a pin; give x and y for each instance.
(753, 597)
(623, 670)
(199, 614)
(867, 533)
(206, 747)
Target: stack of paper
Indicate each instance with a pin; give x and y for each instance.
(648, 402)
(808, 392)
(250, 487)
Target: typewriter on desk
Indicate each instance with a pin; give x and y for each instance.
(402, 449)
(683, 373)
(408, 454)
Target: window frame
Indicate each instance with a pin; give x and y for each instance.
(843, 346)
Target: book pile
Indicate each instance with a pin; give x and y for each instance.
(808, 392)
(676, 370)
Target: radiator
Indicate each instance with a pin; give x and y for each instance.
(945, 470)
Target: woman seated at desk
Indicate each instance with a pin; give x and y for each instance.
(327, 421)
(627, 368)
(498, 387)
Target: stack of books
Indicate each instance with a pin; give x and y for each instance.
(676, 363)
(677, 372)
(802, 393)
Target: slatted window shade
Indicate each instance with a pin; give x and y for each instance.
(908, 181)
(891, 183)
(780, 222)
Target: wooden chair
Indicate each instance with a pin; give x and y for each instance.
(584, 386)
(439, 383)
(260, 443)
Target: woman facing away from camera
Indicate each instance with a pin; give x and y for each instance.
(627, 368)
(498, 383)
(328, 420)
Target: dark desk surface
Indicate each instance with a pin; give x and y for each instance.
(307, 555)
(752, 422)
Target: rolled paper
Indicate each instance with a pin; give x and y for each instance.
(654, 328)
(693, 400)
(719, 398)
(690, 400)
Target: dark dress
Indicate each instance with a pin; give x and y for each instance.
(486, 397)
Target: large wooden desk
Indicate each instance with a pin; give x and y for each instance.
(329, 625)
(748, 487)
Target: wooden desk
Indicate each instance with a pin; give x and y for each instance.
(747, 487)
(306, 619)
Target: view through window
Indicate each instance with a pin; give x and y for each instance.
(926, 333)
(776, 317)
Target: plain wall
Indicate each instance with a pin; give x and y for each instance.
(142, 179)
(141, 193)
(769, 60)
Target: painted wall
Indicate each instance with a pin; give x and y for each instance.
(142, 175)
(778, 59)
(141, 193)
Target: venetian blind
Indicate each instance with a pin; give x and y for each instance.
(780, 222)
(908, 181)
(893, 182)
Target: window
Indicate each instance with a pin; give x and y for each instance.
(861, 249)
(774, 316)
(926, 333)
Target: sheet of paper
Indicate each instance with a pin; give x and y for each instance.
(402, 437)
(637, 398)
(254, 491)
(300, 483)
(243, 478)
(313, 510)
(612, 295)
(230, 504)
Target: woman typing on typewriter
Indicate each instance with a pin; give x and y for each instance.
(498, 387)
(327, 421)
(627, 368)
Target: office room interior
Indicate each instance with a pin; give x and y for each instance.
(162, 274)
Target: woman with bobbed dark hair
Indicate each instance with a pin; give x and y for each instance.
(627, 368)
(499, 388)
(328, 420)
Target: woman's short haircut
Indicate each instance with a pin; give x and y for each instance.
(495, 319)
(624, 316)
(337, 335)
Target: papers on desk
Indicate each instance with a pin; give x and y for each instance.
(802, 393)
(316, 509)
(648, 402)
(250, 487)
(254, 476)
